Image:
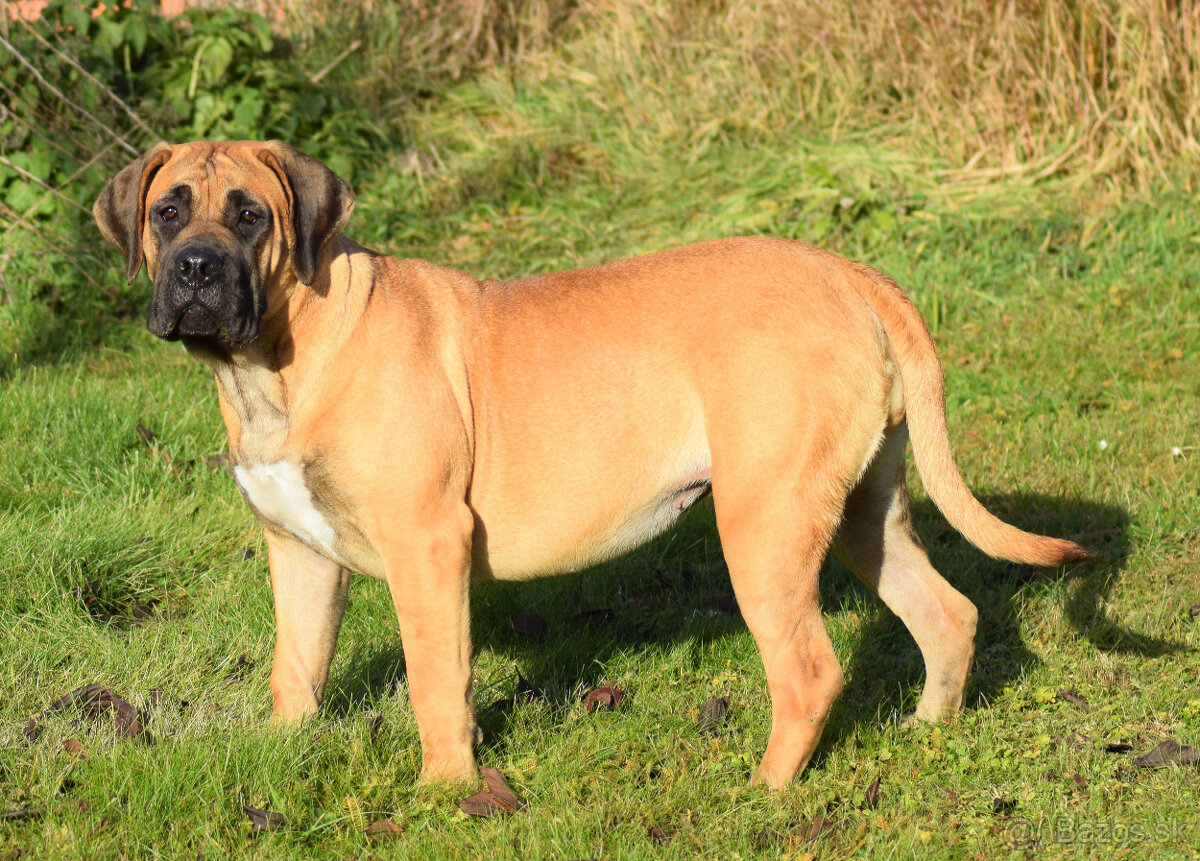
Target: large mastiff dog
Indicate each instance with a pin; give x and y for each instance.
(416, 425)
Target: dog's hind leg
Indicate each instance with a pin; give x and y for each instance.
(877, 543)
(775, 530)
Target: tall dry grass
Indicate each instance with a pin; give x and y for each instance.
(1023, 88)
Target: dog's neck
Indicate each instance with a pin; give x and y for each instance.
(263, 385)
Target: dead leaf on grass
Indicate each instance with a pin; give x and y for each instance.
(94, 702)
(1194, 611)
(498, 799)
(21, 814)
(1074, 698)
(606, 696)
(500, 790)
(819, 824)
(1003, 806)
(660, 836)
(713, 714)
(1118, 747)
(382, 830)
(74, 747)
(872, 796)
(1170, 752)
(529, 625)
(526, 690)
(218, 462)
(146, 434)
(264, 820)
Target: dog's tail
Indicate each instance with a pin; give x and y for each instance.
(925, 410)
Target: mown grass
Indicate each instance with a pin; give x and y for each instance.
(1067, 315)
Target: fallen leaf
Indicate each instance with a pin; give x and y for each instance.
(526, 690)
(1194, 611)
(1091, 406)
(264, 820)
(1118, 747)
(1170, 752)
(95, 701)
(529, 625)
(32, 731)
(1078, 780)
(218, 461)
(481, 804)
(605, 696)
(713, 714)
(74, 747)
(821, 823)
(146, 434)
(500, 790)
(382, 830)
(766, 838)
(872, 797)
(660, 836)
(1003, 806)
(21, 814)
(496, 800)
(1077, 740)
(950, 793)
(1072, 697)
(240, 669)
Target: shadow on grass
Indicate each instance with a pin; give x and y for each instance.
(676, 590)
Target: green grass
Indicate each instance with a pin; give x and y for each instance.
(1066, 316)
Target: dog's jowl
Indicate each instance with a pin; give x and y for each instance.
(414, 424)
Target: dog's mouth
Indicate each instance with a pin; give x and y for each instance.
(219, 314)
(196, 319)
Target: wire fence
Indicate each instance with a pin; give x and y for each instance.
(61, 129)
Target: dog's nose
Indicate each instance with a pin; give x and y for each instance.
(198, 265)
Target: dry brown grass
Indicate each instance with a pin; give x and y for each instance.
(994, 90)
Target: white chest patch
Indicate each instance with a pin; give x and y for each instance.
(278, 493)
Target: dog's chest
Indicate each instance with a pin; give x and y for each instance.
(279, 495)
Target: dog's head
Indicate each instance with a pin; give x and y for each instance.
(222, 227)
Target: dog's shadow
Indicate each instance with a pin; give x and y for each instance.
(676, 589)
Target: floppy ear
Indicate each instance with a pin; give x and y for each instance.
(321, 203)
(120, 210)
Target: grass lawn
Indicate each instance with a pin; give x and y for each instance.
(1068, 319)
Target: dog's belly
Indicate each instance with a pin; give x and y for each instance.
(643, 524)
(590, 527)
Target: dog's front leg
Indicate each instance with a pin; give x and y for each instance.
(310, 599)
(429, 573)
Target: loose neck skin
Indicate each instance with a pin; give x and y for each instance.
(264, 385)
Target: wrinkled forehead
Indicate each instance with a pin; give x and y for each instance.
(212, 172)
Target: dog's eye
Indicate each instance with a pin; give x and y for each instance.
(168, 213)
(248, 217)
